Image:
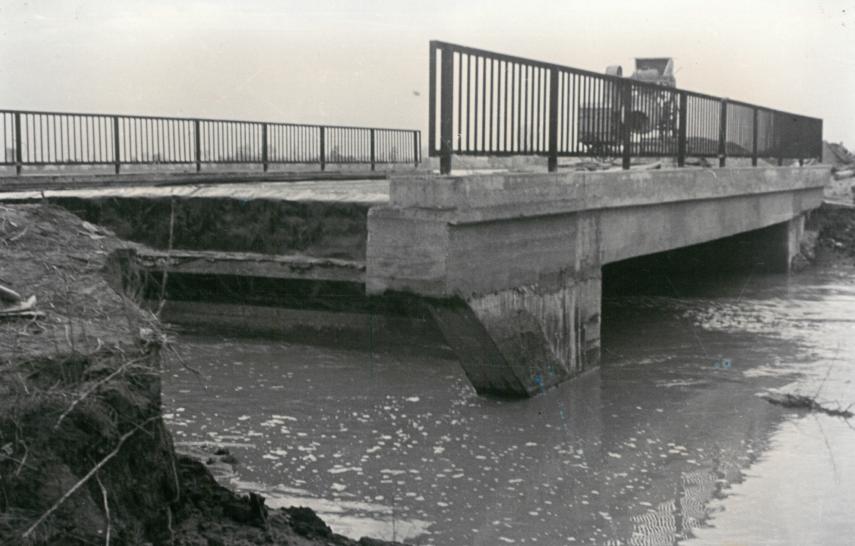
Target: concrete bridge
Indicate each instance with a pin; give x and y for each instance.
(508, 266)
(511, 263)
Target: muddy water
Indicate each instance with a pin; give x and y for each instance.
(668, 442)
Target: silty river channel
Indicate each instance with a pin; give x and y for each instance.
(668, 442)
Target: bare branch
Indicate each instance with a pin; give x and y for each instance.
(106, 508)
(92, 389)
(86, 478)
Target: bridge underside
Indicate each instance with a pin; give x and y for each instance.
(511, 264)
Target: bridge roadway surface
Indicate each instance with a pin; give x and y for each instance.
(368, 191)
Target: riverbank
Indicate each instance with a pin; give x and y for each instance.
(85, 456)
(834, 225)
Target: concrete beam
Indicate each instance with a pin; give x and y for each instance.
(247, 264)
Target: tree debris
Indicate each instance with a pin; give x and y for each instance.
(800, 401)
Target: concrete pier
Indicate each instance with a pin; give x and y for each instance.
(510, 263)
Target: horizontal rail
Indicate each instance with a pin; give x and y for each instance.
(484, 103)
(41, 138)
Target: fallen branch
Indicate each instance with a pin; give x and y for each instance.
(106, 509)
(801, 401)
(92, 389)
(85, 478)
(9, 295)
(165, 276)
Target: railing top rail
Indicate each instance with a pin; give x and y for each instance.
(214, 120)
(607, 77)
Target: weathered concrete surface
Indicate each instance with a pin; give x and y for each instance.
(346, 191)
(69, 180)
(520, 254)
(246, 264)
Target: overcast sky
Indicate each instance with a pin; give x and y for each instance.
(362, 62)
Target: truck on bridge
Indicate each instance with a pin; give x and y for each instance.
(652, 118)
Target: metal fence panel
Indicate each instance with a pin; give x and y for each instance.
(484, 103)
(33, 138)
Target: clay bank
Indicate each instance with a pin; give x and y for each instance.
(84, 453)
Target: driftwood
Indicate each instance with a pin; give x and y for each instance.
(20, 308)
(9, 295)
(16, 306)
(800, 401)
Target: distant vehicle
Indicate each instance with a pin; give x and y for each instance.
(653, 117)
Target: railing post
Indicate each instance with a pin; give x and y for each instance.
(754, 140)
(722, 134)
(198, 145)
(682, 138)
(432, 101)
(19, 156)
(372, 150)
(626, 134)
(117, 156)
(553, 120)
(446, 112)
(323, 151)
(264, 156)
(779, 131)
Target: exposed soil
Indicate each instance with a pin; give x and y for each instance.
(318, 229)
(835, 227)
(85, 457)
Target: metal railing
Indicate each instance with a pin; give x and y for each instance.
(31, 138)
(489, 104)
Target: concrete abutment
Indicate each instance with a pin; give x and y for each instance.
(520, 341)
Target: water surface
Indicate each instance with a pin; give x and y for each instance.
(668, 442)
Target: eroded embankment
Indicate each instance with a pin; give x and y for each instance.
(834, 224)
(266, 226)
(85, 457)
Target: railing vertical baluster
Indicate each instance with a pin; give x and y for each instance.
(117, 157)
(722, 134)
(323, 150)
(553, 120)
(682, 137)
(372, 150)
(198, 145)
(754, 139)
(416, 138)
(264, 146)
(445, 111)
(19, 158)
(626, 135)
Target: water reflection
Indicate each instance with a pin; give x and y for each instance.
(647, 450)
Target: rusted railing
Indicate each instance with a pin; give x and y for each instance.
(489, 104)
(31, 138)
